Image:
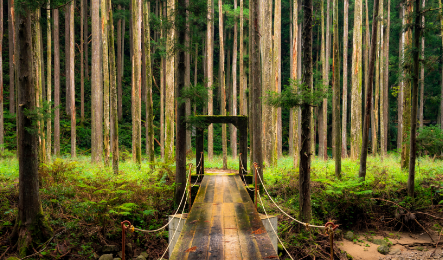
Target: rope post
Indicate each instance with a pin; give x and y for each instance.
(124, 236)
(330, 227)
(189, 187)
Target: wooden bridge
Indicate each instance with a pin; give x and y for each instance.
(223, 223)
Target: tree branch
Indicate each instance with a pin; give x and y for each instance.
(58, 7)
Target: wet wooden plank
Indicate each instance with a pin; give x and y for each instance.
(218, 189)
(234, 189)
(187, 233)
(242, 189)
(248, 245)
(263, 241)
(209, 195)
(227, 197)
(216, 234)
(200, 242)
(231, 241)
(202, 190)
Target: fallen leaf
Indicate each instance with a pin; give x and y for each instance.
(192, 249)
(259, 231)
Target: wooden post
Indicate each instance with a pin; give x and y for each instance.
(242, 126)
(255, 181)
(199, 157)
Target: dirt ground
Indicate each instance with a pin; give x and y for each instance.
(404, 246)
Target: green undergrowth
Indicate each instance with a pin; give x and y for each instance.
(89, 202)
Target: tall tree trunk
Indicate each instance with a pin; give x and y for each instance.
(105, 71)
(364, 149)
(401, 81)
(113, 92)
(243, 102)
(267, 62)
(422, 72)
(234, 89)
(407, 91)
(72, 80)
(291, 64)
(441, 83)
(170, 86)
(367, 48)
(67, 59)
(1, 79)
(382, 73)
(321, 114)
(324, 133)
(30, 213)
(12, 59)
(210, 71)
(256, 88)
(120, 35)
(378, 84)
(356, 92)
(415, 80)
(336, 93)
(148, 101)
(188, 74)
(384, 149)
(96, 117)
(48, 83)
(180, 161)
(136, 78)
(276, 138)
(222, 84)
(56, 84)
(305, 155)
(86, 38)
(344, 147)
(37, 72)
(82, 65)
(294, 76)
(162, 91)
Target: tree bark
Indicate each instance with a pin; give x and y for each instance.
(406, 92)
(243, 102)
(1, 79)
(364, 149)
(210, 71)
(170, 85)
(72, 80)
(31, 227)
(255, 87)
(82, 65)
(441, 83)
(96, 104)
(422, 72)
(162, 91)
(401, 81)
(113, 92)
(67, 59)
(336, 93)
(276, 138)
(356, 92)
(12, 60)
(344, 147)
(234, 89)
(86, 38)
(136, 84)
(267, 62)
(222, 84)
(148, 101)
(294, 76)
(56, 84)
(305, 155)
(384, 149)
(105, 71)
(119, 65)
(188, 74)
(415, 82)
(180, 159)
(48, 84)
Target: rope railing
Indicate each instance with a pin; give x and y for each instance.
(329, 227)
(131, 228)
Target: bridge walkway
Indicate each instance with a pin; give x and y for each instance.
(223, 224)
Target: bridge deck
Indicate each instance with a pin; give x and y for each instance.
(223, 224)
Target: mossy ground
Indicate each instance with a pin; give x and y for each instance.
(89, 201)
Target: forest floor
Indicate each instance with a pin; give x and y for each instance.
(87, 202)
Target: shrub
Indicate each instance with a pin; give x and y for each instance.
(430, 140)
